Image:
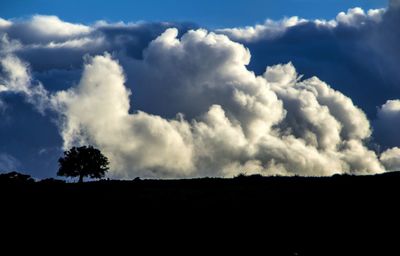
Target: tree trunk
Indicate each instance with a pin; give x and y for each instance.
(80, 179)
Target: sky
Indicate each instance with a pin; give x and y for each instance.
(209, 13)
(178, 89)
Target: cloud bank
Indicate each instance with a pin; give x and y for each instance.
(356, 52)
(271, 29)
(275, 124)
(172, 100)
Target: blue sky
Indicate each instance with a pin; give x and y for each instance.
(210, 13)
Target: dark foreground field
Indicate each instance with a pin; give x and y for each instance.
(332, 212)
(273, 194)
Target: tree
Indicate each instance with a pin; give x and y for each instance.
(82, 162)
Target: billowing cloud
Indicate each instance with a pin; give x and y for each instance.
(42, 28)
(4, 23)
(274, 124)
(15, 78)
(172, 100)
(97, 112)
(391, 159)
(357, 16)
(42, 37)
(357, 51)
(53, 26)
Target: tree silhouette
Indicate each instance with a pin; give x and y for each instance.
(82, 162)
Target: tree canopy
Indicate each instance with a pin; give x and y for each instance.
(85, 161)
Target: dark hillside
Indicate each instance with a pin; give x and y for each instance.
(333, 212)
(251, 192)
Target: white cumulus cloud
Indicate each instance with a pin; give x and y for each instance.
(15, 77)
(230, 120)
(5, 23)
(97, 112)
(391, 159)
(53, 26)
(357, 16)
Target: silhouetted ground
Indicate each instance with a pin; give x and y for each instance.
(333, 213)
(255, 192)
